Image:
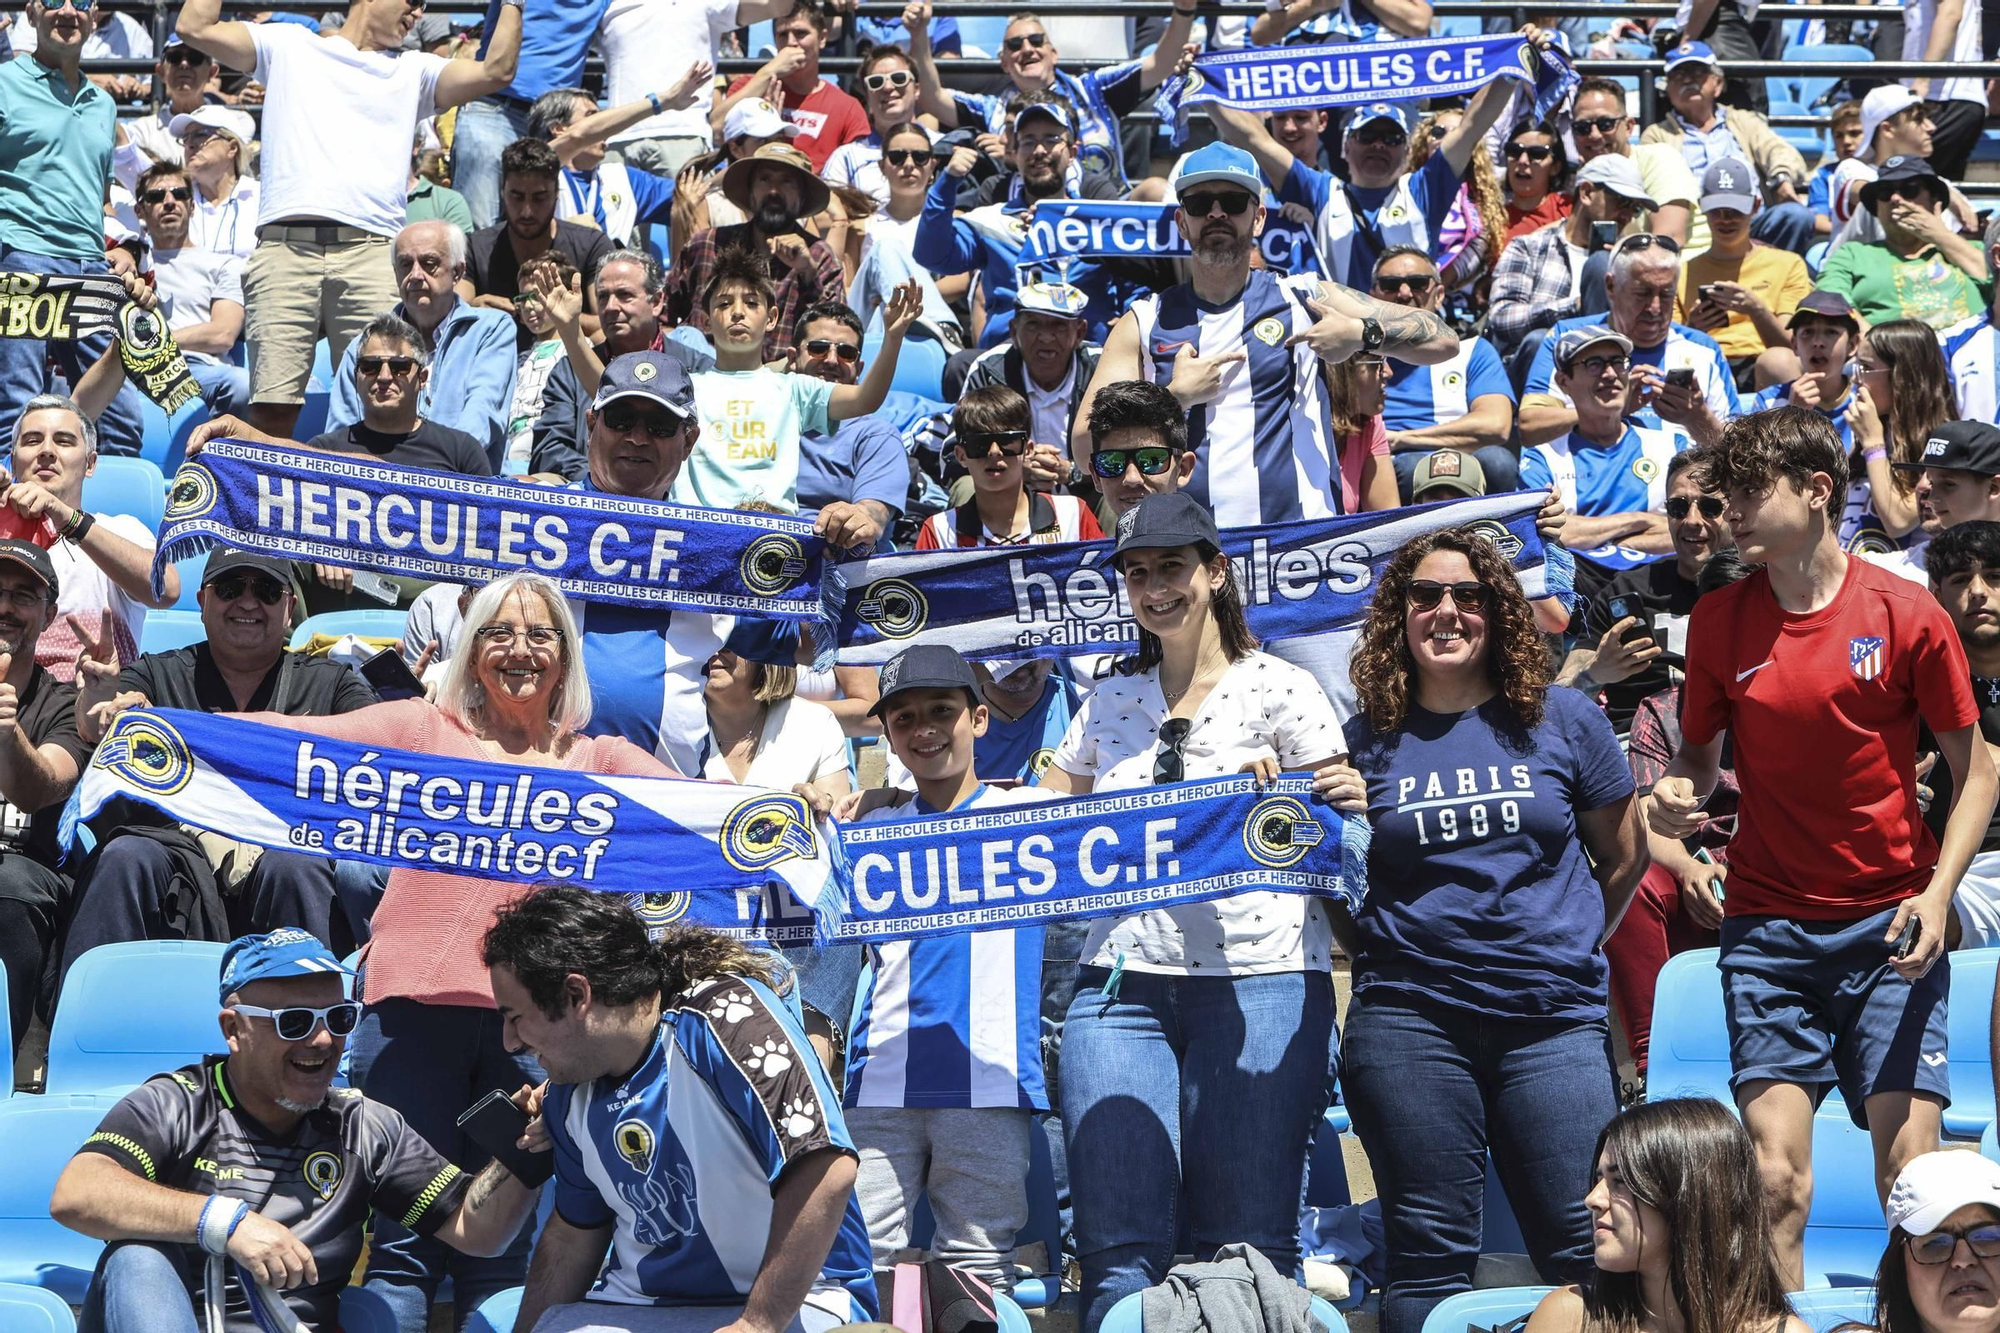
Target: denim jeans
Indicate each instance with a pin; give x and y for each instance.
(139, 1288)
(24, 364)
(485, 127)
(1191, 1097)
(1432, 1089)
(1786, 226)
(225, 389)
(430, 1062)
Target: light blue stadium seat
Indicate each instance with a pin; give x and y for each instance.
(496, 1314)
(42, 1134)
(25, 1309)
(165, 440)
(1808, 140)
(165, 631)
(383, 624)
(919, 363)
(1458, 25)
(986, 32)
(1971, 1051)
(1827, 1308)
(6, 1043)
(762, 40)
(362, 1311)
(1815, 257)
(127, 486)
(1488, 1308)
(101, 1040)
(190, 571)
(1690, 1041)
(1844, 1231)
(1125, 1317)
(1813, 87)
(1044, 1226)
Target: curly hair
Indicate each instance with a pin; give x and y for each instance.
(1516, 661)
(1754, 451)
(1482, 186)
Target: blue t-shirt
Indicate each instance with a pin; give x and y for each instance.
(863, 459)
(682, 1156)
(943, 32)
(1479, 893)
(1434, 186)
(1419, 396)
(1684, 348)
(1020, 748)
(555, 37)
(1819, 195)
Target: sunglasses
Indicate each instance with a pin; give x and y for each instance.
(903, 157)
(1597, 124)
(1438, 132)
(1171, 766)
(622, 417)
(184, 55)
(1233, 203)
(1646, 240)
(296, 1024)
(1938, 1246)
(1038, 40)
(230, 587)
(399, 366)
(1418, 283)
(180, 192)
(1711, 507)
(1470, 597)
(848, 352)
(1534, 152)
(1151, 459)
(895, 78)
(1012, 443)
(1393, 137)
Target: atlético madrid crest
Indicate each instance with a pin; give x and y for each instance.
(1865, 656)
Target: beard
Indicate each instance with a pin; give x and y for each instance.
(774, 215)
(1215, 247)
(299, 1108)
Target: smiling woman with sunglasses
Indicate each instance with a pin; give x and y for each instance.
(1479, 1002)
(887, 84)
(1941, 1270)
(1195, 1051)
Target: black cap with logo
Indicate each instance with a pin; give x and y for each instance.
(925, 666)
(35, 558)
(1962, 446)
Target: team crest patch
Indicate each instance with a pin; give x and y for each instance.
(1270, 332)
(1453, 379)
(322, 1172)
(1280, 831)
(634, 1141)
(1645, 469)
(1865, 656)
(644, 371)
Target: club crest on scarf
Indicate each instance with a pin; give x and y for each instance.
(894, 607)
(1280, 831)
(765, 830)
(192, 494)
(772, 563)
(146, 752)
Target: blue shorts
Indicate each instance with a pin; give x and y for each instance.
(1816, 1003)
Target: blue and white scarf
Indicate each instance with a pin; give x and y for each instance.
(1065, 229)
(1306, 78)
(738, 859)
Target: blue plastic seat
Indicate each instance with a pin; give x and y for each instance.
(1689, 1055)
(1971, 1051)
(165, 631)
(103, 1039)
(1458, 25)
(1827, 1308)
(1805, 138)
(919, 363)
(1487, 1308)
(127, 486)
(1125, 1317)
(362, 1311)
(496, 1314)
(383, 624)
(1815, 86)
(26, 1309)
(984, 32)
(190, 568)
(42, 1134)
(6, 1041)
(1845, 1235)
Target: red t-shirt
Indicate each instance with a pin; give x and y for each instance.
(1555, 206)
(826, 117)
(1822, 710)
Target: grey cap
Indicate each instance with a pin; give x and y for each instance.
(1618, 174)
(1573, 342)
(1729, 183)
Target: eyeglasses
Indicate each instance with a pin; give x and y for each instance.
(1646, 240)
(399, 366)
(180, 192)
(1418, 283)
(1597, 124)
(184, 55)
(1171, 766)
(1597, 365)
(622, 417)
(1938, 1246)
(1151, 459)
(1038, 40)
(297, 1023)
(1468, 596)
(230, 587)
(1233, 203)
(848, 352)
(895, 78)
(23, 598)
(1711, 507)
(1534, 152)
(505, 636)
(1012, 443)
(903, 157)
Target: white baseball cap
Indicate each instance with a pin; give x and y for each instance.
(214, 117)
(757, 118)
(1890, 100)
(1936, 1185)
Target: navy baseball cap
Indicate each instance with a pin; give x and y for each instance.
(227, 559)
(1902, 167)
(1157, 521)
(288, 952)
(925, 666)
(1825, 305)
(650, 375)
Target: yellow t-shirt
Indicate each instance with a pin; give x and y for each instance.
(1777, 277)
(1668, 179)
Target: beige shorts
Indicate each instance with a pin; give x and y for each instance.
(295, 293)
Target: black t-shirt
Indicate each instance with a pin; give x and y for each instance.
(494, 270)
(47, 716)
(185, 1131)
(1665, 600)
(439, 448)
(1942, 781)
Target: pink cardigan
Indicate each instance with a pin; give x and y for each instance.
(429, 924)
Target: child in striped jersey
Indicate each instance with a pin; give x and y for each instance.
(945, 1067)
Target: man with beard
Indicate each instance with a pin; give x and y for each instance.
(1240, 349)
(777, 187)
(530, 185)
(1964, 569)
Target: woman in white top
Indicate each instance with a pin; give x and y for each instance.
(906, 165)
(887, 84)
(215, 146)
(1195, 1055)
(759, 735)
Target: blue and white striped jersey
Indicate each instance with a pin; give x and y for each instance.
(1628, 478)
(1972, 350)
(682, 1156)
(1419, 396)
(1265, 443)
(954, 1020)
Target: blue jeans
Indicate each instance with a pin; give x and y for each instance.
(24, 364)
(139, 1288)
(225, 389)
(1787, 226)
(430, 1062)
(1191, 1097)
(485, 127)
(1432, 1089)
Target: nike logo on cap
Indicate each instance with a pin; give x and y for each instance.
(1745, 675)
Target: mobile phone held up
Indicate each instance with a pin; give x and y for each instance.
(1682, 377)
(495, 1124)
(1622, 608)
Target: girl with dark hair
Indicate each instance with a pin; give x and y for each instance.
(1537, 179)
(1941, 1270)
(1903, 393)
(1680, 1235)
(1195, 1053)
(1478, 1018)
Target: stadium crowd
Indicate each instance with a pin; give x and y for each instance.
(1752, 394)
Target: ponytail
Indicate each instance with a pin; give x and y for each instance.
(689, 955)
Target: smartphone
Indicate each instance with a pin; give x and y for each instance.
(1715, 885)
(1620, 608)
(391, 676)
(1704, 292)
(1603, 235)
(1684, 377)
(1906, 942)
(374, 585)
(495, 1124)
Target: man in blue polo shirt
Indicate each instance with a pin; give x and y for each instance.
(55, 158)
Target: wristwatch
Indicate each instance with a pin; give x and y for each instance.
(1371, 335)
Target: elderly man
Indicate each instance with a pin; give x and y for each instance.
(1048, 361)
(1740, 292)
(1921, 268)
(200, 291)
(1679, 375)
(469, 384)
(184, 72)
(1544, 276)
(161, 1178)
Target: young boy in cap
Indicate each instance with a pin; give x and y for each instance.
(1823, 331)
(1740, 291)
(1958, 482)
(992, 427)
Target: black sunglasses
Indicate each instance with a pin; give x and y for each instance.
(1645, 240)
(1601, 124)
(1534, 152)
(154, 196)
(1038, 40)
(1170, 765)
(1233, 203)
(1152, 460)
(903, 157)
(1418, 283)
(184, 55)
(623, 416)
(230, 587)
(399, 366)
(895, 78)
(1439, 131)
(848, 352)
(1468, 596)
(1391, 136)
(1711, 507)
(1937, 1247)
(1012, 443)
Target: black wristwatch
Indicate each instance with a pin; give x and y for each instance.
(1371, 335)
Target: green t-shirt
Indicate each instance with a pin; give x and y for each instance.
(1925, 286)
(431, 202)
(751, 421)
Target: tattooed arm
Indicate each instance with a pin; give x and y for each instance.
(490, 1214)
(1416, 336)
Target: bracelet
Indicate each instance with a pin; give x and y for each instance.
(211, 1231)
(1875, 455)
(79, 525)
(653, 100)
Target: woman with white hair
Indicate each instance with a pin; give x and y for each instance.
(430, 1042)
(215, 147)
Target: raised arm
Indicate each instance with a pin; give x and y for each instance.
(466, 79)
(200, 25)
(1484, 111)
(1416, 336)
(931, 94)
(858, 400)
(1245, 129)
(599, 126)
(1120, 360)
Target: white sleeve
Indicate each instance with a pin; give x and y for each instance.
(227, 280)
(1078, 751)
(270, 41)
(1303, 720)
(429, 67)
(825, 738)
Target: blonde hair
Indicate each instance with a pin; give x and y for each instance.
(460, 694)
(774, 683)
